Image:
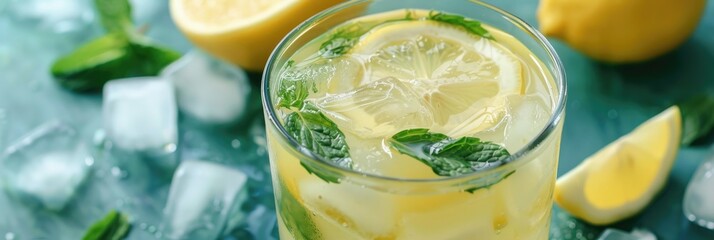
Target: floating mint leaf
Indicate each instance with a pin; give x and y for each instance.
(295, 217)
(320, 135)
(293, 88)
(447, 156)
(469, 25)
(115, 16)
(114, 226)
(341, 41)
(697, 118)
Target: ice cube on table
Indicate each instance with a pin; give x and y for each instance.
(56, 15)
(140, 114)
(47, 166)
(636, 234)
(208, 89)
(699, 196)
(204, 198)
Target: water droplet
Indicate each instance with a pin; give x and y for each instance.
(119, 173)
(89, 161)
(169, 148)
(9, 236)
(235, 143)
(612, 114)
(151, 229)
(260, 151)
(99, 138)
(500, 222)
(571, 224)
(143, 226)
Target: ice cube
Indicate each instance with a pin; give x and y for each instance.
(208, 89)
(140, 114)
(57, 15)
(47, 166)
(204, 200)
(527, 116)
(261, 223)
(382, 107)
(699, 197)
(637, 234)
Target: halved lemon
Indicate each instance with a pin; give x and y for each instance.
(458, 80)
(621, 179)
(243, 32)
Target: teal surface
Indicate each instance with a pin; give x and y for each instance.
(605, 102)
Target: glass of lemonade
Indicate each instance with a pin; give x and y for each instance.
(414, 119)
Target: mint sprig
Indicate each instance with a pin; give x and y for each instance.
(448, 156)
(469, 25)
(123, 52)
(114, 226)
(314, 131)
(697, 118)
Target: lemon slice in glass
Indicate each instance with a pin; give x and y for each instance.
(622, 178)
(460, 78)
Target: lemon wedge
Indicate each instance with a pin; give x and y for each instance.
(622, 178)
(431, 75)
(243, 32)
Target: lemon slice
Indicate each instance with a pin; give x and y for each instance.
(460, 79)
(236, 30)
(622, 178)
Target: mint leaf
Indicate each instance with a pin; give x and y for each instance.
(320, 135)
(697, 118)
(114, 226)
(447, 156)
(115, 16)
(150, 59)
(110, 57)
(93, 64)
(342, 40)
(345, 37)
(295, 217)
(293, 88)
(469, 25)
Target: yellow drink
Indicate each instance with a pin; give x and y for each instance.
(411, 69)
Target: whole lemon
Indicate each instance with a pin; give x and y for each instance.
(620, 31)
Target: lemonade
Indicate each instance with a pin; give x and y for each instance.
(413, 124)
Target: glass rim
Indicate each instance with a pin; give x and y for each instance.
(532, 145)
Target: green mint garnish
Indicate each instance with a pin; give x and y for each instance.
(293, 89)
(123, 52)
(471, 26)
(448, 156)
(697, 118)
(314, 131)
(295, 217)
(115, 16)
(114, 226)
(342, 40)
